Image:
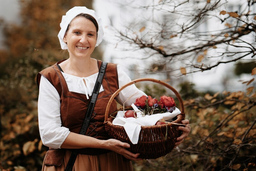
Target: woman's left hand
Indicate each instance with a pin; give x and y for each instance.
(185, 131)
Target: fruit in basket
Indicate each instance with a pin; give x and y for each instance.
(160, 122)
(148, 105)
(152, 101)
(166, 101)
(152, 144)
(130, 113)
(141, 102)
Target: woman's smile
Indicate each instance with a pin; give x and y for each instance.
(82, 48)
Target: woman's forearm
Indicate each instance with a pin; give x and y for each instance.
(77, 141)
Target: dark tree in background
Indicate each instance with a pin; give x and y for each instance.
(190, 36)
(29, 47)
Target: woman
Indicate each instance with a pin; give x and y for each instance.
(64, 92)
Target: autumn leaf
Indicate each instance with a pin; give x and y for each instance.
(254, 71)
(237, 106)
(161, 48)
(195, 130)
(236, 166)
(228, 25)
(142, 29)
(237, 141)
(173, 35)
(249, 90)
(40, 145)
(205, 132)
(254, 17)
(194, 158)
(214, 47)
(208, 1)
(200, 58)
(229, 102)
(28, 118)
(225, 92)
(252, 164)
(29, 147)
(240, 29)
(223, 12)
(19, 168)
(183, 71)
(226, 35)
(205, 52)
(216, 94)
(213, 100)
(233, 14)
(221, 133)
(208, 97)
(9, 162)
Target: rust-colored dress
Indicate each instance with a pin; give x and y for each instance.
(73, 109)
(104, 162)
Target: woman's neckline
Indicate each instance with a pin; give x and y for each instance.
(58, 65)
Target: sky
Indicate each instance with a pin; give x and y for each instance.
(209, 80)
(212, 80)
(9, 11)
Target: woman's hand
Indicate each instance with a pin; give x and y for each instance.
(185, 131)
(77, 141)
(120, 148)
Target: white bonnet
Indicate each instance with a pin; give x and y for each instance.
(70, 15)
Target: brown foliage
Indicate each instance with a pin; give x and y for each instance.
(30, 46)
(223, 135)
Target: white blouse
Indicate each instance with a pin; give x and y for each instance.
(52, 133)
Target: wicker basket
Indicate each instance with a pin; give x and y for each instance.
(154, 141)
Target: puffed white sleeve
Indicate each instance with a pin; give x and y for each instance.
(129, 94)
(52, 133)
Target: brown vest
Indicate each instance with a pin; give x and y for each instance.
(74, 105)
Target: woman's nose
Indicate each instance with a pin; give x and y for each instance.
(84, 39)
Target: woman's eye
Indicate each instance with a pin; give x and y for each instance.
(77, 32)
(90, 34)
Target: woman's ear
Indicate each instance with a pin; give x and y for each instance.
(65, 39)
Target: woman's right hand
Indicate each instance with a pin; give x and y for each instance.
(77, 141)
(120, 148)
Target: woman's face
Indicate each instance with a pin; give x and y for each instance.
(81, 37)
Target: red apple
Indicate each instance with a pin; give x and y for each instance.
(130, 113)
(160, 123)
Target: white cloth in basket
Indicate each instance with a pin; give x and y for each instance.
(132, 126)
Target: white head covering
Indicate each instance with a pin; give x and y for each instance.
(70, 15)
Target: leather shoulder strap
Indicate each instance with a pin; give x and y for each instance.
(88, 112)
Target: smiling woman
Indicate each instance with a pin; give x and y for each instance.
(66, 92)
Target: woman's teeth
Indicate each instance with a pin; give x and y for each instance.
(83, 48)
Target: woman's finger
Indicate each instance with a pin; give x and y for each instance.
(185, 132)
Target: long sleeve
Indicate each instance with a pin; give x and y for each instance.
(129, 94)
(51, 131)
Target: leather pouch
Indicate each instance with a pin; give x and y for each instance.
(54, 157)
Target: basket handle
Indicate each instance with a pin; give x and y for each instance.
(140, 80)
